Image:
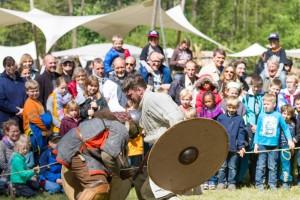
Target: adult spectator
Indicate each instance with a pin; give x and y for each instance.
(272, 67)
(77, 85)
(187, 81)
(158, 78)
(130, 63)
(228, 74)
(259, 67)
(27, 62)
(112, 88)
(66, 68)
(240, 69)
(215, 68)
(98, 72)
(12, 93)
(47, 79)
(181, 55)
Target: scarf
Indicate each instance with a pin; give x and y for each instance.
(61, 101)
(8, 142)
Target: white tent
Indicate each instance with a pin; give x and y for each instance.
(295, 53)
(16, 52)
(254, 50)
(92, 51)
(121, 21)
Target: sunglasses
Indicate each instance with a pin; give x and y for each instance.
(131, 64)
(231, 72)
(67, 63)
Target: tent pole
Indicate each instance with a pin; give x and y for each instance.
(163, 33)
(182, 5)
(35, 39)
(153, 20)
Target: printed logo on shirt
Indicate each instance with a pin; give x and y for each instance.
(269, 126)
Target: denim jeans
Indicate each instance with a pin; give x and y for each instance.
(53, 187)
(285, 160)
(230, 165)
(263, 158)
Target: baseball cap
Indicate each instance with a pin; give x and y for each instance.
(66, 59)
(273, 36)
(153, 33)
(54, 137)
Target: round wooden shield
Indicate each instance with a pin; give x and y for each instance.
(70, 183)
(188, 154)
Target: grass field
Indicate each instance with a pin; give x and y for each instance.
(246, 193)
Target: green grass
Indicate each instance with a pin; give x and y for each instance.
(246, 193)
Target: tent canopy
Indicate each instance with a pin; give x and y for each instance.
(121, 21)
(254, 50)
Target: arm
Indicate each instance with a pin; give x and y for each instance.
(241, 135)
(19, 167)
(30, 110)
(49, 107)
(46, 172)
(3, 161)
(174, 59)
(30, 160)
(6, 105)
(84, 108)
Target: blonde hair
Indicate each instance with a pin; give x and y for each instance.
(269, 97)
(232, 101)
(19, 144)
(77, 71)
(31, 84)
(71, 106)
(60, 80)
(190, 113)
(117, 37)
(24, 57)
(293, 77)
(25, 138)
(185, 93)
(6, 125)
(162, 90)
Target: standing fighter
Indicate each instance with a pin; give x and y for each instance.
(159, 112)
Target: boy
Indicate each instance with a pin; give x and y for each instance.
(275, 88)
(235, 128)
(116, 51)
(50, 177)
(276, 50)
(253, 104)
(36, 122)
(267, 138)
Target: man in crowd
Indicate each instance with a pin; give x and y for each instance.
(98, 72)
(130, 63)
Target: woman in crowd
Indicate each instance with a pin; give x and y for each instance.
(27, 62)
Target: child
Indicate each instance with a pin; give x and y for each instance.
(71, 119)
(275, 88)
(275, 50)
(23, 181)
(116, 51)
(56, 102)
(267, 138)
(210, 109)
(233, 89)
(29, 156)
(297, 137)
(287, 112)
(92, 99)
(37, 123)
(24, 71)
(206, 83)
(287, 95)
(287, 68)
(186, 97)
(50, 177)
(235, 128)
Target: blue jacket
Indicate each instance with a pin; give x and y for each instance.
(235, 128)
(110, 56)
(268, 129)
(163, 69)
(52, 172)
(248, 101)
(12, 95)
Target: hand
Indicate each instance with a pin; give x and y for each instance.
(291, 144)
(277, 75)
(36, 169)
(253, 128)
(94, 104)
(242, 152)
(295, 140)
(20, 111)
(255, 148)
(33, 179)
(91, 112)
(59, 181)
(149, 69)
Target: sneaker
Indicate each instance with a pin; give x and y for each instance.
(285, 186)
(260, 188)
(273, 188)
(205, 186)
(231, 187)
(212, 186)
(221, 186)
(12, 190)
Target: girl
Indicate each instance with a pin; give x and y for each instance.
(185, 100)
(23, 181)
(212, 111)
(71, 119)
(286, 177)
(233, 89)
(24, 72)
(30, 162)
(91, 99)
(205, 83)
(56, 102)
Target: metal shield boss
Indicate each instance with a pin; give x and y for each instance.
(188, 154)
